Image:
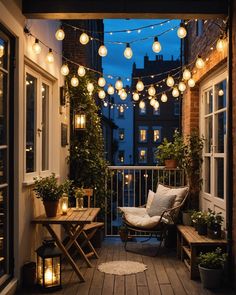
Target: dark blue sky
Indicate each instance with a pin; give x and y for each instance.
(116, 64)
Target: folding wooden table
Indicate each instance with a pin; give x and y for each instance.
(73, 224)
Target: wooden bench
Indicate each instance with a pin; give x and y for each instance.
(190, 244)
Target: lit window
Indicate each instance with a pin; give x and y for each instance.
(121, 156)
(142, 157)
(176, 109)
(121, 134)
(142, 134)
(156, 134)
(121, 112)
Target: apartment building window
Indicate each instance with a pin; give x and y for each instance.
(142, 155)
(121, 156)
(156, 134)
(143, 133)
(176, 109)
(121, 134)
(121, 112)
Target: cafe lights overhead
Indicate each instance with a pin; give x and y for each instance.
(140, 86)
(84, 39)
(102, 51)
(65, 70)
(101, 94)
(186, 74)
(156, 46)
(119, 84)
(50, 56)
(182, 32)
(135, 96)
(110, 90)
(81, 71)
(101, 82)
(151, 90)
(170, 81)
(142, 105)
(60, 35)
(128, 53)
(175, 92)
(164, 97)
(123, 95)
(200, 62)
(220, 45)
(90, 87)
(191, 82)
(74, 81)
(36, 47)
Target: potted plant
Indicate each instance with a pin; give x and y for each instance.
(214, 223)
(200, 218)
(194, 219)
(49, 192)
(210, 267)
(79, 195)
(187, 217)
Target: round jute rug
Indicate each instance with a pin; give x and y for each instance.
(122, 267)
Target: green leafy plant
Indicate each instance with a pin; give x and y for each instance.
(66, 186)
(212, 260)
(214, 219)
(79, 192)
(199, 217)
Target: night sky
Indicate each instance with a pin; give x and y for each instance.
(116, 64)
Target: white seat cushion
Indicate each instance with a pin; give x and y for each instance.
(134, 210)
(150, 198)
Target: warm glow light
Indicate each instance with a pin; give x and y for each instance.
(142, 104)
(110, 90)
(119, 84)
(50, 56)
(175, 92)
(123, 95)
(182, 86)
(60, 35)
(164, 97)
(128, 53)
(220, 45)
(101, 82)
(151, 90)
(221, 92)
(135, 96)
(186, 74)
(101, 94)
(181, 32)
(35, 47)
(80, 121)
(1, 51)
(156, 46)
(81, 71)
(156, 105)
(49, 277)
(65, 70)
(152, 102)
(102, 51)
(191, 82)
(90, 87)
(84, 38)
(74, 81)
(140, 86)
(170, 81)
(200, 62)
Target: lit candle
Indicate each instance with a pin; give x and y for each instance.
(49, 277)
(64, 208)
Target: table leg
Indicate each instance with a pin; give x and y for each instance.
(65, 252)
(87, 239)
(193, 263)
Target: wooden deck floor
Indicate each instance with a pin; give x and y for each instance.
(165, 275)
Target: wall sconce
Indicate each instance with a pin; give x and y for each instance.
(80, 121)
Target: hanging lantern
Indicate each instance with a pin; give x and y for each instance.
(60, 35)
(182, 86)
(181, 32)
(128, 53)
(102, 51)
(140, 86)
(101, 82)
(119, 84)
(151, 90)
(186, 74)
(191, 82)
(35, 47)
(164, 97)
(110, 90)
(81, 71)
(80, 121)
(156, 46)
(135, 96)
(64, 204)
(200, 62)
(84, 39)
(49, 266)
(170, 81)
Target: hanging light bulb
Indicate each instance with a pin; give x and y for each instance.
(36, 47)
(101, 94)
(90, 87)
(110, 90)
(221, 92)
(74, 81)
(152, 102)
(181, 32)
(156, 46)
(182, 86)
(50, 56)
(128, 53)
(156, 105)
(164, 97)
(151, 90)
(140, 86)
(186, 74)
(170, 81)
(2, 50)
(119, 84)
(102, 51)
(175, 92)
(200, 62)
(123, 95)
(65, 70)
(135, 96)
(101, 82)
(220, 45)
(60, 35)
(81, 71)
(84, 39)
(142, 104)
(191, 82)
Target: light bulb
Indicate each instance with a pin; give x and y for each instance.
(181, 32)
(119, 84)
(200, 62)
(84, 39)
(102, 51)
(156, 105)
(182, 86)
(191, 82)
(101, 94)
(152, 102)
(36, 47)
(101, 82)
(50, 56)
(74, 81)
(151, 90)
(186, 74)
(90, 87)
(170, 81)
(164, 97)
(220, 45)
(81, 71)
(128, 53)
(156, 46)
(110, 90)
(135, 96)
(142, 104)
(2, 50)
(65, 70)
(221, 92)
(60, 35)
(175, 92)
(140, 86)
(123, 95)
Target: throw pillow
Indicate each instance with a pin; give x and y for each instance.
(179, 192)
(150, 198)
(160, 203)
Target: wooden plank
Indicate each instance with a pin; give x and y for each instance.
(130, 284)
(161, 272)
(166, 290)
(153, 285)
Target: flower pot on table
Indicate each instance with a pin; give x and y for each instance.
(211, 278)
(202, 229)
(51, 208)
(214, 232)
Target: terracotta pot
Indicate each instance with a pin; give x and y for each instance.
(51, 208)
(170, 163)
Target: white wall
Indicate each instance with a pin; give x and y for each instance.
(26, 236)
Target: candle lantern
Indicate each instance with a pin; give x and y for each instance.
(49, 266)
(64, 204)
(80, 121)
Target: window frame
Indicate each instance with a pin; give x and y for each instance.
(140, 128)
(159, 129)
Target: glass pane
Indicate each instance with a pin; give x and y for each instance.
(3, 54)
(208, 134)
(31, 98)
(45, 127)
(142, 135)
(208, 98)
(3, 233)
(3, 100)
(220, 132)
(219, 178)
(3, 166)
(207, 176)
(220, 95)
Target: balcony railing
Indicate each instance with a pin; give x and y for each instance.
(128, 186)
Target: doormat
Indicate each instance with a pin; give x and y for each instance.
(122, 267)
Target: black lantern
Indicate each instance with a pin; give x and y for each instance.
(49, 266)
(80, 121)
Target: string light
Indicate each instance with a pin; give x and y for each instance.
(123, 95)
(140, 86)
(181, 32)
(110, 90)
(36, 47)
(156, 105)
(151, 90)
(152, 102)
(90, 87)
(182, 86)
(175, 92)
(101, 94)
(142, 105)
(81, 71)
(102, 51)
(164, 97)
(74, 81)
(170, 81)
(50, 56)
(65, 70)
(221, 92)
(135, 96)
(156, 46)
(186, 74)
(84, 39)
(128, 53)
(101, 82)
(60, 35)
(1, 51)
(191, 82)
(220, 45)
(200, 62)
(119, 84)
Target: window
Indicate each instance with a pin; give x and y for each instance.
(121, 112)
(121, 156)
(121, 134)
(143, 134)
(176, 109)
(156, 134)
(142, 155)
(156, 112)
(38, 110)
(199, 27)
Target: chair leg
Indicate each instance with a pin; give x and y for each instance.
(149, 238)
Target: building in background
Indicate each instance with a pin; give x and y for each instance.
(151, 125)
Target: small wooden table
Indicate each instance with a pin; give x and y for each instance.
(190, 244)
(73, 224)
